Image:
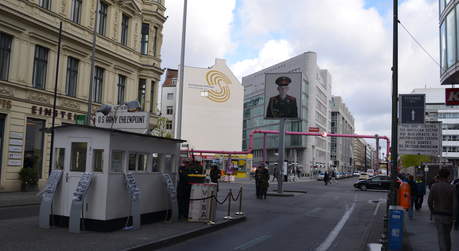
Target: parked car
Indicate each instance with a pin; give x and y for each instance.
(363, 176)
(379, 182)
(356, 174)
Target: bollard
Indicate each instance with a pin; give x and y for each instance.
(228, 215)
(239, 212)
(210, 220)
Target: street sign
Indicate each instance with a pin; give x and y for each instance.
(412, 108)
(424, 139)
(452, 96)
(314, 129)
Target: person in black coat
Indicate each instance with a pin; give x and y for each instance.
(215, 174)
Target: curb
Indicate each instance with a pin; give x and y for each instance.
(281, 194)
(172, 240)
(293, 191)
(21, 205)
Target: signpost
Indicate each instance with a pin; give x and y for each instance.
(452, 96)
(412, 108)
(424, 139)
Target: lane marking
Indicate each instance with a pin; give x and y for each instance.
(253, 242)
(377, 207)
(334, 233)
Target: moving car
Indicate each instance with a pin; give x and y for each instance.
(320, 176)
(363, 176)
(356, 174)
(380, 182)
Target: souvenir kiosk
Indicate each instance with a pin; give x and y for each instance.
(105, 179)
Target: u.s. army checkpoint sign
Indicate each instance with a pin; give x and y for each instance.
(423, 139)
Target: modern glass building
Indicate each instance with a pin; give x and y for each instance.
(449, 41)
(308, 152)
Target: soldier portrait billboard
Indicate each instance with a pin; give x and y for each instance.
(283, 95)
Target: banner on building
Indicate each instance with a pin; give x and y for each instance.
(283, 95)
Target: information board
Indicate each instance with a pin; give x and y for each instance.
(423, 139)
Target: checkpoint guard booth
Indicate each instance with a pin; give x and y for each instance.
(105, 179)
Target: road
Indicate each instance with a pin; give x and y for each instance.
(334, 217)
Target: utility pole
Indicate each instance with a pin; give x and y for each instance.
(178, 132)
(93, 55)
(394, 139)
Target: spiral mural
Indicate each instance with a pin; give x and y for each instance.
(219, 91)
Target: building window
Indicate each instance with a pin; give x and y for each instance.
(152, 96)
(451, 38)
(40, 67)
(76, 11)
(78, 156)
(45, 4)
(137, 162)
(72, 76)
(141, 93)
(443, 47)
(170, 96)
(103, 10)
(33, 151)
(124, 29)
(121, 89)
(5, 52)
(98, 84)
(155, 41)
(170, 110)
(144, 39)
(169, 125)
(155, 162)
(98, 160)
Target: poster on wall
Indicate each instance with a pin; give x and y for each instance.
(283, 95)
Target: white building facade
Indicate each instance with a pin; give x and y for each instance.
(212, 108)
(168, 101)
(308, 152)
(342, 122)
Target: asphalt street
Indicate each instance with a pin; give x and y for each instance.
(333, 217)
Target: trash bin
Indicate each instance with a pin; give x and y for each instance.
(396, 217)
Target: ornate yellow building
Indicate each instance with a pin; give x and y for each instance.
(127, 67)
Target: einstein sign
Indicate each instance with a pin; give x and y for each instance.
(124, 120)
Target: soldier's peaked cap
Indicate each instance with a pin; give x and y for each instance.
(283, 81)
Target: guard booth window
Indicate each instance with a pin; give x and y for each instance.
(137, 162)
(60, 158)
(117, 162)
(78, 159)
(155, 162)
(98, 160)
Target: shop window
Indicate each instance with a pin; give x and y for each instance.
(98, 160)
(155, 162)
(60, 158)
(78, 159)
(33, 152)
(117, 161)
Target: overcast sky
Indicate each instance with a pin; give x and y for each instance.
(352, 39)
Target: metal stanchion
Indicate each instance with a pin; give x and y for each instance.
(239, 212)
(211, 214)
(228, 215)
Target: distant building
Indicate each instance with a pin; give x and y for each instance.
(342, 122)
(168, 100)
(309, 152)
(359, 154)
(212, 107)
(127, 67)
(449, 59)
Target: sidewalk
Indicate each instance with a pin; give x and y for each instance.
(11, 199)
(271, 181)
(422, 234)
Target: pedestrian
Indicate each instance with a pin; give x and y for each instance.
(264, 182)
(214, 174)
(413, 195)
(285, 171)
(442, 203)
(421, 191)
(333, 177)
(326, 177)
(275, 172)
(258, 182)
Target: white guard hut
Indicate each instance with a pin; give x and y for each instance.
(109, 175)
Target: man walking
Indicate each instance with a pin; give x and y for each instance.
(442, 204)
(421, 191)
